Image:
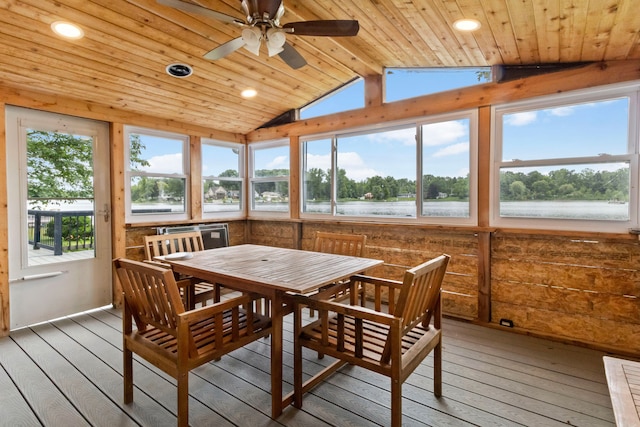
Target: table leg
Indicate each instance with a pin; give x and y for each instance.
(191, 296)
(277, 311)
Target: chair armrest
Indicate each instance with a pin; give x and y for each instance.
(328, 292)
(355, 311)
(377, 281)
(157, 263)
(208, 311)
(372, 289)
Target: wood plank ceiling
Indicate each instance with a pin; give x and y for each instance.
(121, 60)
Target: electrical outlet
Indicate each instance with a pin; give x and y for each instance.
(506, 322)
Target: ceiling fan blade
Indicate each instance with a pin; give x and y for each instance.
(199, 10)
(225, 49)
(291, 56)
(330, 28)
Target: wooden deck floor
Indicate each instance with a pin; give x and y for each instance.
(69, 373)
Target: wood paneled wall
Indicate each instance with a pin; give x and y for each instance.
(575, 288)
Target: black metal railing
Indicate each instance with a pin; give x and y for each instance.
(61, 231)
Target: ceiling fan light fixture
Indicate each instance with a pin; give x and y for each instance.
(252, 38)
(275, 41)
(466, 24)
(262, 22)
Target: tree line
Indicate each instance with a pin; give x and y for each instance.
(60, 165)
(318, 186)
(561, 184)
(565, 184)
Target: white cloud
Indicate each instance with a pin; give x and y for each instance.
(167, 163)
(461, 147)
(319, 161)
(521, 119)
(462, 172)
(403, 136)
(280, 162)
(355, 167)
(351, 162)
(443, 133)
(562, 111)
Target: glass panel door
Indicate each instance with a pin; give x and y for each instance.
(59, 215)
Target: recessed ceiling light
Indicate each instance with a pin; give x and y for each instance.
(179, 70)
(249, 93)
(466, 24)
(67, 30)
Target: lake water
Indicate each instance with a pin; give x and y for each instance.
(592, 210)
(589, 210)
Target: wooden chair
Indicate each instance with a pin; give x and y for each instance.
(173, 339)
(392, 343)
(339, 244)
(194, 291)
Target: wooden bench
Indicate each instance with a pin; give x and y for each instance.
(623, 379)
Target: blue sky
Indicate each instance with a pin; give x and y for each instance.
(165, 156)
(582, 130)
(446, 144)
(393, 152)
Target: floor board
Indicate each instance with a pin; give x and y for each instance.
(69, 372)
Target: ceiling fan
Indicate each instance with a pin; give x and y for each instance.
(263, 24)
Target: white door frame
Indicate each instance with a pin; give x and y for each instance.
(42, 292)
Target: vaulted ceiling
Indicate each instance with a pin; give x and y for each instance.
(128, 44)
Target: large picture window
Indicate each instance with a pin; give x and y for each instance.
(157, 175)
(222, 178)
(318, 176)
(567, 162)
(448, 163)
(413, 171)
(269, 180)
(376, 173)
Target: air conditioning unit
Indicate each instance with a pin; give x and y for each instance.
(213, 235)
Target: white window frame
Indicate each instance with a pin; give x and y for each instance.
(332, 179)
(253, 213)
(386, 127)
(599, 94)
(159, 217)
(241, 179)
(471, 220)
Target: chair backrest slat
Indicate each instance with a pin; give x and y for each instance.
(165, 244)
(419, 296)
(151, 293)
(340, 244)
